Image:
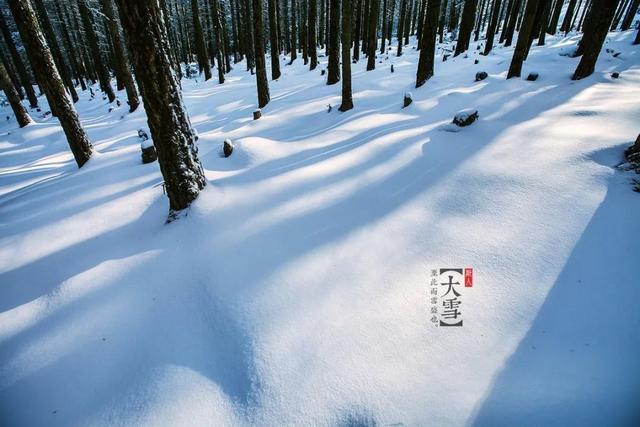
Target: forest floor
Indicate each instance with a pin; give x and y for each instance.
(296, 291)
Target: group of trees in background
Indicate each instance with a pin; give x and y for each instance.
(150, 45)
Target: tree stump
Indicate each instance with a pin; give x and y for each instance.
(615, 75)
(532, 77)
(465, 117)
(481, 75)
(149, 154)
(257, 114)
(227, 147)
(407, 99)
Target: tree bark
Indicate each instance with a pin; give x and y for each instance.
(347, 100)
(428, 51)
(491, 31)
(258, 45)
(524, 39)
(631, 13)
(294, 32)
(14, 98)
(201, 48)
(466, 26)
(555, 17)
(311, 39)
(273, 41)
(173, 136)
(602, 12)
(19, 64)
(333, 68)
(372, 44)
(41, 58)
(568, 16)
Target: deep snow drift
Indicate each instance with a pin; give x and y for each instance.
(296, 290)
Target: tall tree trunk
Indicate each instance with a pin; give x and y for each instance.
(568, 16)
(631, 13)
(19, 64)
(312, 43)
(294, 32)
(171, 130)
(544, 20)
(618, 16)
(347, 101)
(201, 47)
(121, 59)
(52, 41)
(596, 32)
(92, 37)
(384, 26)
(14, 98)
(491, 31)
(41, 59)
(524, 39)
(466, 26)
(258, 45)
(637, 39)
(356, 42)
(555, 17)
(401, 24)
(481, 13)
(513, 18)
(76, 66)
(273, 41)
(333, 68)
(372, 44)
(428, 51)
(15, 81)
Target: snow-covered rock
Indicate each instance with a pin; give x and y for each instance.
(465, 117)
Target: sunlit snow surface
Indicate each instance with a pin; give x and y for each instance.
(295, 291)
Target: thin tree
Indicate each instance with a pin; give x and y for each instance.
(347, 100)
(384, 26)
(333, 67)
(311, 39)
(568, 16)
(258, 43)
(14, 99)
(42, 60)
(121, 60)
(358, 26)
(524, 39)
(466, 26)
(294, 32)
(19, 64)
(171, 130)
(273, 41)
(92, 37)
(493, 23)
(401, 23)
(372, 43)
(602, 12)
(201, 47)
(555, 17)
(428, 51)
(631, 13)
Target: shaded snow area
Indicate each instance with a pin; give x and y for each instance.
(296, 289)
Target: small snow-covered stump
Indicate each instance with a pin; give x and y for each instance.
(257, 113)
(227, 147)
(475, 61)
(148, 151)
(392, 68)
(481, 75)
(142, 135)
(532, 77)
(615, 75)
(322, 72)
(408, 99)
(465, 117)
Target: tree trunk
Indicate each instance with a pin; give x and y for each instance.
(294, 32)
(101, 69)
(311, 39)
(42, 60)
(524, 39)
(333, 68)
(201, 47)
(372, 44)
(173, 136)
(258, 46)
(121, 59)
(273, 41)
(602, 12)
(384, 26)
(15, 81)
(347, 101)
(568, 16)
(428, 51)
(631, 13)
(466, 26)
(491, 31)
(14, 99)
(19, 64)
(508, 38)
(356, 42)
(555, 17)
(401, 24)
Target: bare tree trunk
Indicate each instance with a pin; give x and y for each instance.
(401, 24)
(311, 39)
(524, 39)
(347, 101)
(356, 42)
(466, 26)
(17, 61)
(173, 136)
(568, 16)
(273, 41)
(631, 13)
(258, 43)
(555, 17)
(14, 99)
(41, 59)
(428, 51)
(596, 32)
(372, 44)
(491, 31)
(333, 68)
(294, 32)
(201, 48)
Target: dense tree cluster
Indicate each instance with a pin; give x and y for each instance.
(64, 46)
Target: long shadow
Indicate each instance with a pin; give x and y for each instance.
(578, 363)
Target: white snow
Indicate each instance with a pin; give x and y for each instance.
(295, 290)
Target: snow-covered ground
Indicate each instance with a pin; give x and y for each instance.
(296, 290)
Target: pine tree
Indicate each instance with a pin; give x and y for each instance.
(524, 39)
(568, 16)
(555, 17)
(631, 13)
(428, 41)
(273, 41)
(313, 54)
(201, 47)
(92, 37)
(294, 32)
(121, 60)
(372, 43)
(347, 100)
(258, 43)
(401, 23)
(511, 26)
(493, 23)
(171, 130)
(333, 68)
(602, 12)
(14, 99)
(358, 26)
(41, 59)
(19, 64)
(466, 26)
(384, 26)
